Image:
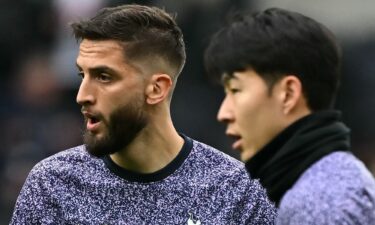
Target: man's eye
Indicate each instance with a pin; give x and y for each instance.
(234, 90)
(103, 77)
(81, 74)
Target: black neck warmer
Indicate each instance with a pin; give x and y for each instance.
(281, 162)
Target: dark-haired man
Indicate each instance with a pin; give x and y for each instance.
(134, 167)
(280, 71)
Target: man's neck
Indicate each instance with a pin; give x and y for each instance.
(153, 149)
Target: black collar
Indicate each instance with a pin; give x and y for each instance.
(279, 164)
(155, 176)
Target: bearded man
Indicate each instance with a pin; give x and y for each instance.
(134, 167)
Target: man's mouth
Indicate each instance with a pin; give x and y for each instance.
(92, 121)
(237, 141)
(92, 124)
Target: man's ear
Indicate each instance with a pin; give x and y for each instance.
(158, 88)
(291, 93)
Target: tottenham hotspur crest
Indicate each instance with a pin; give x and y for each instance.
(193, 220)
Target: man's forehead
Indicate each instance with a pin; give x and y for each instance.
(100, 47)
(94, 51)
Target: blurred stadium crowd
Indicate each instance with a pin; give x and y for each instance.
(39, 82)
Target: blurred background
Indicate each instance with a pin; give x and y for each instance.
(39, 82)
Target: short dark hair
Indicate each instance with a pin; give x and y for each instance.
(275, 43)
(143, 31)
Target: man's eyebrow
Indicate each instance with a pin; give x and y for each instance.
(98, 69)
(78, 67)
(226, 78)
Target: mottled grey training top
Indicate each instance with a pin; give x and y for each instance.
(200, 186)
(337, 189)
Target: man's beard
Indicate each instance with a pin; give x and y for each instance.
(123, 126)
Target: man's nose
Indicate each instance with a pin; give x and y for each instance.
(85, 93)
(225, 114)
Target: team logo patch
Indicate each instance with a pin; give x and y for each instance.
(193, 220)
